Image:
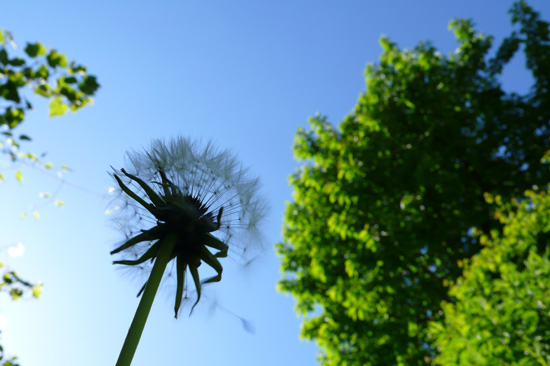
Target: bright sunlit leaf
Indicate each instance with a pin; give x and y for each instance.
(19, 176)
(57, 107)
(36, 290)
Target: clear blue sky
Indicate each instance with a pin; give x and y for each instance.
(245, 74)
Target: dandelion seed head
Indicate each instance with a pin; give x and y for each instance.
(200, 192)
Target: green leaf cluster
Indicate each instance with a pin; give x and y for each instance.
(48, 73)
(385, 203)
(15, 286)
(499, 313)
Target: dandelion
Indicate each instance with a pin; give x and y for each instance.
(183, 204)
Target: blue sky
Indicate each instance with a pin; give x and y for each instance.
(244, 74)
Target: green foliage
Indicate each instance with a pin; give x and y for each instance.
(385, 203)
(48, 74)
(5, 361)
(16, 287)
(500, 309)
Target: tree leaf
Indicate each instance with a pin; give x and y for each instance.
(35, 49)
(19, 176)
(56, 59)
(36, 291)
(16, 61)
(57, 107)
(89, 85)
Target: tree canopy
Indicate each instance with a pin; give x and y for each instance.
(385, 205)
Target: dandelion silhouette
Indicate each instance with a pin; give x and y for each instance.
(201, 204)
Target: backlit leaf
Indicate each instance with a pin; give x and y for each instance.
(19, 176)
(58, 107)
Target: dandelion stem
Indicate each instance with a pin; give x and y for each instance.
(140, 318)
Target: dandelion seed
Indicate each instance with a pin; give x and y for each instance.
(188, 205)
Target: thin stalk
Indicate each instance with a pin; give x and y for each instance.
(140, 318)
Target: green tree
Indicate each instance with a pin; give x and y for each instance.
(499, 313)
(49, 75)
(385, 203)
